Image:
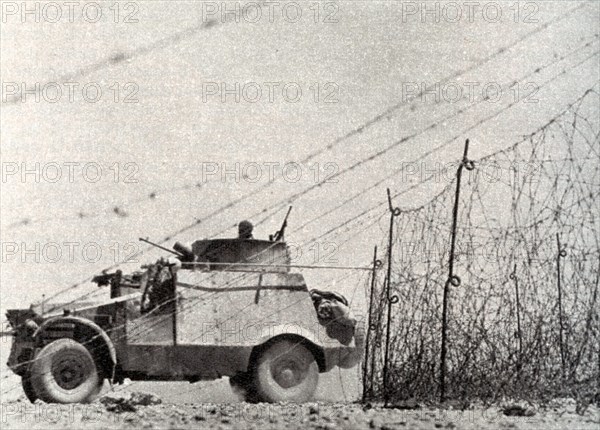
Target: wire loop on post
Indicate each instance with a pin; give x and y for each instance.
(394, 211)
(455, 280)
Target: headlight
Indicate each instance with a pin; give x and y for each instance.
(30, 326)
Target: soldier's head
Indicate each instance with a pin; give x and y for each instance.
(245, 230)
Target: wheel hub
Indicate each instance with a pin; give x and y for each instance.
(288, 373)
(68, 373)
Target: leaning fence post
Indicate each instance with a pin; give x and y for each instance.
(394, 212)
(452, 278)
(370, 327)
(561, 253)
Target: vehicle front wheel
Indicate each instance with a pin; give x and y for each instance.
(286, 371)
(65, 372)
(28, 387)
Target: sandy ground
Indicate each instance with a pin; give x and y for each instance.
(23, 415)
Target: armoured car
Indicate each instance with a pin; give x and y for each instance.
(222, 307)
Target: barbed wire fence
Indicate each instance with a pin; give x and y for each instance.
(523, 317)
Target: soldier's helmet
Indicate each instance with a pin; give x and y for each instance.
(245, 230)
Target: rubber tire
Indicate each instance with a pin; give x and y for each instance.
(266, 386)
(28, 387)
(242, 386)
(43, 380)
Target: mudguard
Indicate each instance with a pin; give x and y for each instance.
(64, 326)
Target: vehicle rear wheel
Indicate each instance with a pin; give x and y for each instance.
(28, 387)
(286, 371)
(242, 385)
(65, 372)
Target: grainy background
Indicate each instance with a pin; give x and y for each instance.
(370, 53)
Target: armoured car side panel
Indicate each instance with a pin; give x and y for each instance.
(243, 309)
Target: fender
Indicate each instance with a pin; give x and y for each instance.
(280, 332)
(78, 321)
(268, 332)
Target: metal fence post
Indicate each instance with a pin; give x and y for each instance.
(561, 253)
(452, 278)
(513, 276)
(368, 388)
(394, 212)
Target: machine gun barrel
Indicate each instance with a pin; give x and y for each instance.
(162, 247)
(280, 233)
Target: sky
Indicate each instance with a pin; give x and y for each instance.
(140, 115)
